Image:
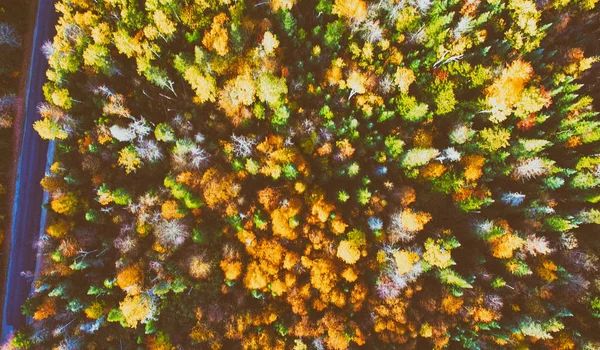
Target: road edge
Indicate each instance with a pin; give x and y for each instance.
(16, 142)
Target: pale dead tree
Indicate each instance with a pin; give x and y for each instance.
(171, 233)
(48, 110)
(465, 24)
(103, 90)
(371, 31)
(140, 127)
(122, 134)
(243, 146)
(386, 83)
(9, 36)
(513, 198)
(182, 125)
(422, 5)
(449, 154)
(199, 157)
(126, 243)
(48, 49)
(199, 138)
(397, 231)
(149, 150)
(531, 168)
(535, 245)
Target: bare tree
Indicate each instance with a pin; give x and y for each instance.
(243, 146)
(9, 36)
(171, 233)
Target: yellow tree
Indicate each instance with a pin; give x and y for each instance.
(65, 204)
(216, 39)
(353, 10)
(131, 279)
(135, 308)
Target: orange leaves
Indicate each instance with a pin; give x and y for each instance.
(269, 198)
(506, 91)
(45, 310)
(473, 165)
(547, 270)
(255, 277)
(131, 279)
(218, 188)
(283, 220)
(353, 10)
(231, 269)
(170, 210)
(346, 149)
(451, 304)
(217, 38)
(503, 246)
(323, 275)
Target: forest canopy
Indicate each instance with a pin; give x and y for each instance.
(321, 175)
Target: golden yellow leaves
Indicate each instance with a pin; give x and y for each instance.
(437, 255)
(135, 309)
(65, 204)
(95, 310)
(269, 43)
(323, 275)
(231, 269)
(348, 252)
(164, 25)
(255, 277)
(334, 75)
(129, 159)
(337, 225)
(320, 210)
(199, 267)
(216, 39)
(405, 260)
(131, 279)
(414, 222)
(473, 165)
(503, 246)
(205, 86)
(277, 5)
(236, 93)
(59, 228)
(403, 78)
(353, 10)
(506, 91)
(357, 82)
(218, 188)
(283, 217)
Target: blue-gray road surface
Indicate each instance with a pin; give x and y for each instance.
(27, 208)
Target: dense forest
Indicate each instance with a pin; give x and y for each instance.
(13, 16)
(390, 174)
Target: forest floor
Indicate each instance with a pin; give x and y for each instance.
(17, 137)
